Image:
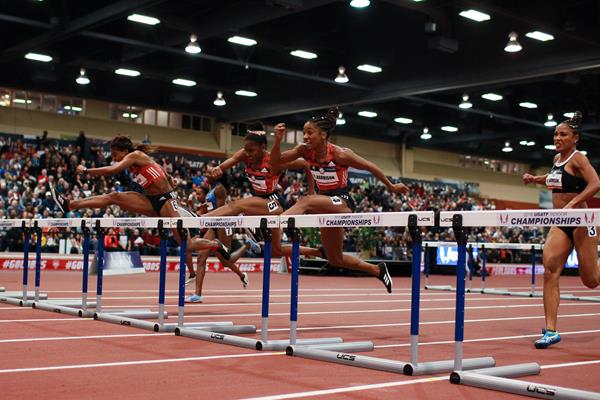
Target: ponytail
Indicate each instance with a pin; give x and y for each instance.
(326, 122)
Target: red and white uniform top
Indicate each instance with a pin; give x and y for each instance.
(328, 175)
(147, 175)
(262, 179)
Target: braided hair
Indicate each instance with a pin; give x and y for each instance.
(574, 122)
(123, 143)
(256, 133)
(326, 122)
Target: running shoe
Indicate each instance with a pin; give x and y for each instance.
(190, 279)
(245, 280)
(193, 299)
(254, 246)
(384, 276)
(60, 200)
(223, 250)
(255, 234)
(548, 339)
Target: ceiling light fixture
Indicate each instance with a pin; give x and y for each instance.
(340, 120)
(367, 114)
(184, 82)
(220, 100)
(360, 3)
(38, 57)
(82, 79)
(465, 102)
(22, 101)
(492, 96)
(143, 19)
(307, 55)
(403, 120)
(246, 93)
(73, 108)
(369, 68)
(513, 45)
(242, 41)
(449, 128)
(550, 147)
(550, 122)
(341, 76)
(193, 47)
(527, 104)
(127, 72)
(541, 36)
(475, 15)
(507, 148)
(426, 135)
(569, 114)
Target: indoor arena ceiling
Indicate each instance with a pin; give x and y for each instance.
(429, 55)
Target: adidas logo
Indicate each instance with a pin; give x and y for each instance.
(331, 164)
(264, 170)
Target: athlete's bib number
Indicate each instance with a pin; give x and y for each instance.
(336, 201)
(258, 184)
(592, 231)
(554, 180)
(272, 206)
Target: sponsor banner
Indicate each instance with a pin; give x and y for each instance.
(557, 217)
(13, 223)
(424, 218)
(512, 269)
(151, 264)
(59, 222)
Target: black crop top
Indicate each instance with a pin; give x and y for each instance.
(560, 181)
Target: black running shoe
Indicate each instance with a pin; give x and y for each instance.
(384, 276)
(223, 250)
(60, 200)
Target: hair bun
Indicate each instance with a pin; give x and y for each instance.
(333, 113)
(576, 119)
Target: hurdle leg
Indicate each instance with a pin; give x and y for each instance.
(533, 260)
(86, 262)
(483, 267)
(99, 277)
(294, 285)
(181, 300)
(26, 240)
(38, 260)
(264, 330)
(426, 264)
(162, 276)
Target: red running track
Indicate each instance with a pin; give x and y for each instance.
(54, 356)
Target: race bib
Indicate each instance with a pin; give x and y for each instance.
(325, 176)
(272, 206)
(337, 201)
(258, 183)
(592, 231)
(554, 180)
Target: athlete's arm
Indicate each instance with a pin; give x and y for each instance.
(277, 157)
(539, 179)
(582, 164)
(220, 195)
(345, 156)
(302, 164)
(128, 161)
(235, 159)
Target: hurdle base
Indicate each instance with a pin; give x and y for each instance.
(135, 314)
(11, 300)
(523, 388)
(2, 289)
(120, 319)
(526, 294)
(276, 345)
(220, 334)
(170, 327)
(436, 367)
(590, 298)
(503, 292)
(57, 308)
(447, 288)
(30, 295)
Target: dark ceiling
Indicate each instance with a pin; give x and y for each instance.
(424, 73)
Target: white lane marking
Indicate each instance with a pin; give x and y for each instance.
(116, 336)
(141, 362)
(349, 389)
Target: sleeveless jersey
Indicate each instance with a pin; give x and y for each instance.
(146, 176)
(560, 181)
(328, 175)
(262, 179)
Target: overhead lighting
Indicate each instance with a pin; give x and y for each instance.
(307, 55)
(449, 128)
(550, 147)
(369, 68)
(527, 104)
(143, 19)
(550, 122)
(528, 143)
(193, 47)
(360, 3)
(507, 148)
(129, 115)
(38, 57)
(341, 76)
(367, 114)
(127, 72)
(583, 152)
(531, 143)
(492, 96)
(513, 45)
(541, 36)
(73, 108)
(475, 15)
(426, 135)
(465, 102)
(403, 120)
(184, 82)
(340, 120)
(220, 100)
(82, 79)
(242, 40)
(246, 93)
(569, 114)
(22, 101)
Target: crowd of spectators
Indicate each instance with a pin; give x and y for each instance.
(28, 166)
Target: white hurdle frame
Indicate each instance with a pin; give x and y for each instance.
(497, 378)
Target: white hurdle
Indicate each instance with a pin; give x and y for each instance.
(498, 378)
